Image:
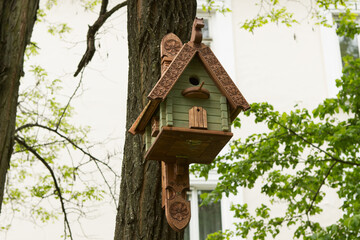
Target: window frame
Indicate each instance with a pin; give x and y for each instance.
(331, 51)
(209, 16)
(227, 219)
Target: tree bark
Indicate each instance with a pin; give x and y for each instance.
(140, 215)
(17, 22)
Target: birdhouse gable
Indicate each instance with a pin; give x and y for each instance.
(189, 57)
(195, 89)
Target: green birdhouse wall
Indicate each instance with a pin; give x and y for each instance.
(174, 111)
(179, 105)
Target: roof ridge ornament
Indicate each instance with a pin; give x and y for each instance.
(169, 47)
(196, 34)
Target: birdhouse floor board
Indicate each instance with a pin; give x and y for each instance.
(190, 145)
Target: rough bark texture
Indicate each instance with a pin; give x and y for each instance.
(17, 21)
(140, 215)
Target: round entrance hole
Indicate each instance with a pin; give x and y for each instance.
(194, 81)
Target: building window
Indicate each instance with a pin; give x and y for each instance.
(348, 46)
(207, 29)
(204, 219)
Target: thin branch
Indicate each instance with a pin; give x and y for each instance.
(317, 147)
(342, 161)
(37, 155)
(67, 139)
(43, 145)
(68, 103)
(320, 186)
(90, 50)
(106, 182)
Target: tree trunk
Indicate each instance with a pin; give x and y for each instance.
(140, 215)
(17, 22)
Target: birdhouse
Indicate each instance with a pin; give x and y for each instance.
(188, 118)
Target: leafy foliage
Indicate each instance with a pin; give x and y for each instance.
(52, 170)
(46, 137)
(275, 11)
(300, 158)
(218, 6)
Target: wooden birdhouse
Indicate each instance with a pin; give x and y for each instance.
(188, 117)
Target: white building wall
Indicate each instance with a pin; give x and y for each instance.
(283, 66)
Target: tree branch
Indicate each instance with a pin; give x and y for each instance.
(68, 103)
(320, 186)
(90, 50)
(29, 125)
(317, 147)
(104, 4)
(37, 155)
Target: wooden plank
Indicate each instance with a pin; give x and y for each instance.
(181, 86)
(162, 114)
(204, 116)
(185, 109)
(224, 114)
(185, 124)
(169, 112)
(196, 102)
(213, 96)
(197, 117)
(191, 117)
(208, 83)
(185, 117)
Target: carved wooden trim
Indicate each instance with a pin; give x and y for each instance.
(170, 46)
(218, 72)
(171, 75)
(175, 185)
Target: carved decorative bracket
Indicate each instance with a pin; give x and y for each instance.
(175, 184)
(170, 46)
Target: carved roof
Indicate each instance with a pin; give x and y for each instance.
(173, 65)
